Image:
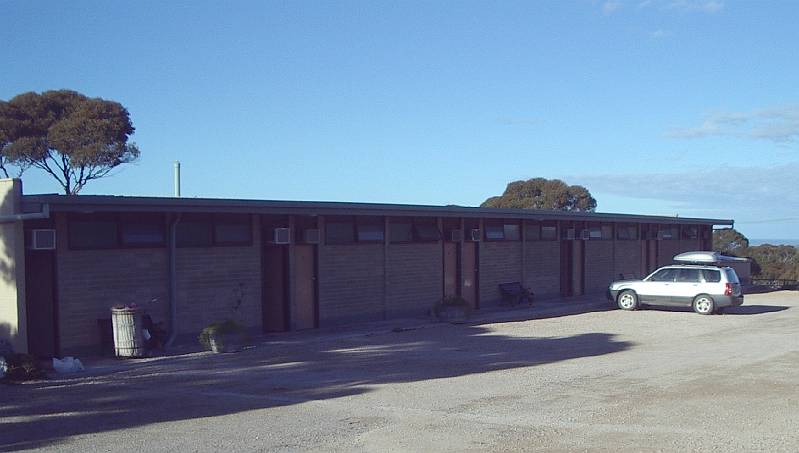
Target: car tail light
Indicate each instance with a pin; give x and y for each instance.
(728, 289)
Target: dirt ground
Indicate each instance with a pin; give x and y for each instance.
(598, 381)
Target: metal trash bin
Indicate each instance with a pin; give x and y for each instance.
(128, 338)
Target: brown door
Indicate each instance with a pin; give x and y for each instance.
(305, 313)
(40, 301)
(275, 282)
(450, 269)
(578, 268)
(566, 268)
(469, 263)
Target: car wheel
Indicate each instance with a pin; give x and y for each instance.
(703, 304)
(628, 300)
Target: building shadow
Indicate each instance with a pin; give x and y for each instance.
(275, 373)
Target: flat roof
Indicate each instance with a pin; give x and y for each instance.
(112, 203)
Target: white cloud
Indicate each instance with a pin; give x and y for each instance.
(704, 6)
(776, 124)
(740, 192)
(611, 6)
(658, 34)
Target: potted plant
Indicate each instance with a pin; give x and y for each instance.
(224, 336)
(452, 309)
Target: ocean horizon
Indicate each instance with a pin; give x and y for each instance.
(793, 242)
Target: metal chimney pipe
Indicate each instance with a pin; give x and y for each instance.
(177, 179)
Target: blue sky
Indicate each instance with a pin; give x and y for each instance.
(672, 107)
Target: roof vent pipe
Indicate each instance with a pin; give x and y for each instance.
(177, 179)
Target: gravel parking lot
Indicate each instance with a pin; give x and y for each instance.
(600, 381)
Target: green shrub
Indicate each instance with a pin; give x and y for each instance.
(218, 329)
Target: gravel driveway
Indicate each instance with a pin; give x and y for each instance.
(601, 381)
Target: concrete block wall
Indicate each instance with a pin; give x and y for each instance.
(542, 267)
(90, 282)
(414, 278)
(666, 251)
(628, 259)
(212, 280)
(350, 283)
(599, 265)
(500, 262)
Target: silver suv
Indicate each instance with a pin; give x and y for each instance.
(705, 288)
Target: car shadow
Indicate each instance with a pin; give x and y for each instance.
(274, 373)
(754, 309)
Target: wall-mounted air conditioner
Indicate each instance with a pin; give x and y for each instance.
(476, 235)
(570, 234)
(456, 235)
(311, 236)
(42, 240)
(282, 236)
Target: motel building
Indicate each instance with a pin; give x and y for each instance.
(290, 265)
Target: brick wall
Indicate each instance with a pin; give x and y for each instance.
(542, 268)
(628, 259)
(414, 278)
(666, 251)
(90, 282)
(500, 262)
(212, 280)
(599, 265)
(350, 283)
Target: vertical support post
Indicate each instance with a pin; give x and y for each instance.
(13, 314)
(386, 227)
(292, 276)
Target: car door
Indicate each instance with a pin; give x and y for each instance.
(686, 287)
(657, 288)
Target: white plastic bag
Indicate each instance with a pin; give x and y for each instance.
(67, 365)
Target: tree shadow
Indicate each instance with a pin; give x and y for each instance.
(753, 309)
(278, 372)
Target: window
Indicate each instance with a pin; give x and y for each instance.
(664, 275)
(512, 232)
(494, 232)
(142, 231)
(339, 232)
(627, 232)
(669, 232)
(595, 232)
(426, 232)
(401, 232)
(370, 232)
(194, 231)
(607, 231)
(690, 232)
(232, 230)
(93, 232)
(549, 232)
(688, 276)
(711, 276)
(532, 231)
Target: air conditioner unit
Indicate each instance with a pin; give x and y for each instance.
(456, 235)
(282, 236)
(311, 236)
(570, 233)
(476, 235)
(42, 240)
(585, 235)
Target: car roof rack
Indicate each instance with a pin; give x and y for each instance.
(706, 258)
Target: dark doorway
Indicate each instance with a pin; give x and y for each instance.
(566, 267)
(469, 264)
(40, 297)
(275, 283)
